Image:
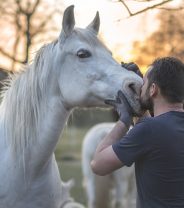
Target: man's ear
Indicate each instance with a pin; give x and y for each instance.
(154, 90)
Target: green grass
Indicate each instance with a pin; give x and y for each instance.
(68, 156)
(70, 143)
(73, 170)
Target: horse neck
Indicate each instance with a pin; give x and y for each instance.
(50, 128)
(33, 114)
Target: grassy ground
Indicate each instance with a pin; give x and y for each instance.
(68, 156)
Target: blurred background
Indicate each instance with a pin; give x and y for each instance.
(134, 30)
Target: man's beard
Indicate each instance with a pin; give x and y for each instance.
(147, 103)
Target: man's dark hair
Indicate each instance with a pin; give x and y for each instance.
(168, 74)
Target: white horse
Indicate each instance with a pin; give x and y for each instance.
(76, 70)
(116, 190)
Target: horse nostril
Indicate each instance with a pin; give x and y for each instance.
(132, 87)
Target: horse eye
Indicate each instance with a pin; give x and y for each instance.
(82, 53)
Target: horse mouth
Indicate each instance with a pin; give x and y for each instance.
(134, 102)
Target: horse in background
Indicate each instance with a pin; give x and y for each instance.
(118, 189)
(76, 70)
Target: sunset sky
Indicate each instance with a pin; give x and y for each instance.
(118, 31)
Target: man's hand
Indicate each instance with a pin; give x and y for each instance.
(132, 67)
(123, 108)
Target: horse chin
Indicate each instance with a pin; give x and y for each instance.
(99, 105)
(94, 102)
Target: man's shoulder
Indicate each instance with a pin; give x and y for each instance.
(146, 127)
(169, 118)
(143, 127)
(162, 122)
(146, 121)
(162, 118)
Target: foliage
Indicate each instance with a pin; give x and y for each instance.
(24, 23)
(68, 156)
(72, 169)
(167, 40)
(89, 117)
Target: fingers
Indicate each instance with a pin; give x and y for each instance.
(113, 102)
(120, 98)
(131, 66)
(123, 99)
(110, 102)
(126, 65)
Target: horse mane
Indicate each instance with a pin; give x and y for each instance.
(22, 99)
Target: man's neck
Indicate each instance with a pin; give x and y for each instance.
(161, 106)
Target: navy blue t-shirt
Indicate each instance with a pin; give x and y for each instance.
(156, 145)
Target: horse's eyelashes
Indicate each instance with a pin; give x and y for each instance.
(82, 53)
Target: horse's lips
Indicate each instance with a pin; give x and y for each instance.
(135, 111)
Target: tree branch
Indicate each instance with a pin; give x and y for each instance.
(20, 7)
(35, 6)
(15, 47)
(9, 56)
(42, 24)
(130, 13)
(145, 9)
(172, 9)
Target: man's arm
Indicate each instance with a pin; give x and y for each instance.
(105, 160)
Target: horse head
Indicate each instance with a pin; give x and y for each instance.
(88, 74)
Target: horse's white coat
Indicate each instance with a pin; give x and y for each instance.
(38, 103)
(116, 190)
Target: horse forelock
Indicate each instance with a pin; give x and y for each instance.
(88, 36)
(23, 99)
(91, 38)
(83, 35)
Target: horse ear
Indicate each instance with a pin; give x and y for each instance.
(95, 24)
(68, 21)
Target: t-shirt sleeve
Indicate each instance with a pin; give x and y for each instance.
(135, 144)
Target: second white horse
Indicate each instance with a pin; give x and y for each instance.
(116, 190)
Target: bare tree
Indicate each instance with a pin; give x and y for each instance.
(148, 5)
(22, 22)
